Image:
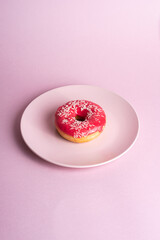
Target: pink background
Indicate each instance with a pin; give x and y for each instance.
(112, 44)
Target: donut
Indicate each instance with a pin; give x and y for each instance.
(80, 120)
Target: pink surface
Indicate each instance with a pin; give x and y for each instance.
(47, 44)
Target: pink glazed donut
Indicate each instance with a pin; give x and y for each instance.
(80, 120)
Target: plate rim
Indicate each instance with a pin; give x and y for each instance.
(81, 166)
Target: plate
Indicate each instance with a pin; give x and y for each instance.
(39, 133)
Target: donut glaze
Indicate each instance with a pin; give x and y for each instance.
(80, 118)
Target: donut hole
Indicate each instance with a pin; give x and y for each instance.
(79, 118)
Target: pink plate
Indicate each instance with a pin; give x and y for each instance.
(38, 130)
